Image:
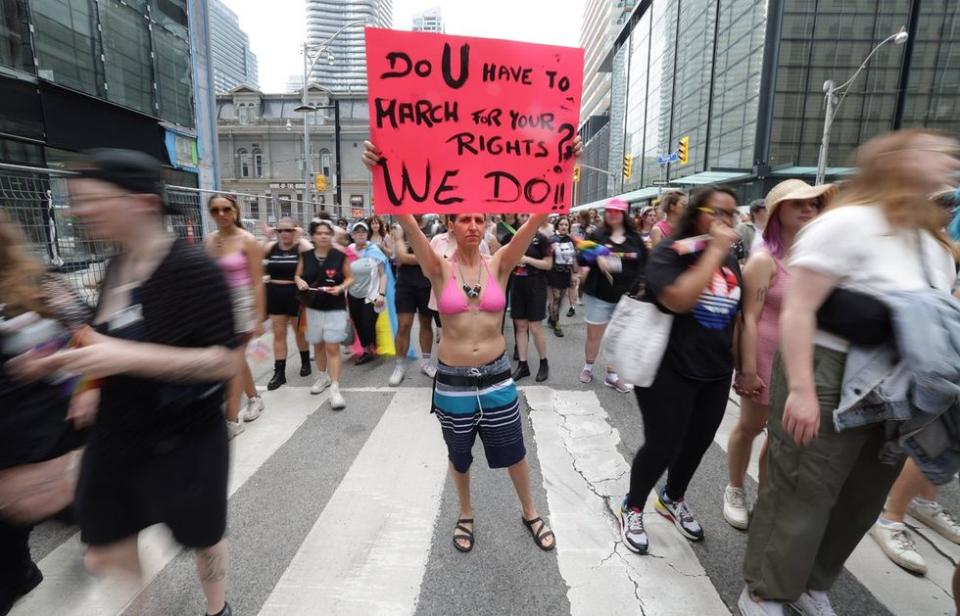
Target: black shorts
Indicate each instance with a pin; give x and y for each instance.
(282, 299)
(528, 298)
(410, 299)
(184, 486)
(559, 279)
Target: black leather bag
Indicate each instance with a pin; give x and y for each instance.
(862, 319)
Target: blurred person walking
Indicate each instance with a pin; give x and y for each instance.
(283, 307)
(367, 295)
(751, 232)
(528, 304)
(693, 275)
(41, 424)
(163, 346)
(323, 276)
(412, 297)
(792, 204)
(607, 281)
(239, 255)
(880, 236)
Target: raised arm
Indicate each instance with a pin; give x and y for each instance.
(511, 253)
(428, 260)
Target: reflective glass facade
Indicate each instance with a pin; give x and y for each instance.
(135, 53)
(743, 79)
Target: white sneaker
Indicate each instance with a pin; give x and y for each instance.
(398, 373)
(234, 428)
(735, 510)
(323, 381)
(899, 547)
(814, 603)
(749, 607)
(935, 518)
(427, 367)
(253, 409)
(336, 400)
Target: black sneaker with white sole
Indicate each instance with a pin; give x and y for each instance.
(631, 528)
(678, 513)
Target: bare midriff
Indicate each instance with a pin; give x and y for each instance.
(471, 338)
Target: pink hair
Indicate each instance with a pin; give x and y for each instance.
(772, 238)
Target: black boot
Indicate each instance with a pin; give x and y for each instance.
(305, 368)
(516, 354)
(522, 370)
(18, 573)
(571, 312)
(279, 374)
(544, 372)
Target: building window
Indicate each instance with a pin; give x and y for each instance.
(126, 47)
(257, 163)
(242, 114)
(243, 163)
(325, 163)
(15, 37)
(284, 206)
(174, 76)
(255, 209)
(68, 48)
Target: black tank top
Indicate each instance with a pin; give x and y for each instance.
(282, 264)
(326, 273)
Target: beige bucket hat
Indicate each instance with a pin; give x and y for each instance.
(791, 189)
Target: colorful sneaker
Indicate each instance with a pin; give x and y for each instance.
(678, 513)
(617, 383)
(934, 517)
(586, 376)
(735, 510)
(253, 409)
(399, 371)
(749, 607)
(895, 541)
(814, 603)
(322, 382)
(631, 528)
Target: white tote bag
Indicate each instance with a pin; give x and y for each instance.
(636, 339)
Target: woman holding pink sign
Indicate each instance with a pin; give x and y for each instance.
(474, 393)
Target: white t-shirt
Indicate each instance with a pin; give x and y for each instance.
(858, 245)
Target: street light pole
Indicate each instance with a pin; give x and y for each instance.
(306, 133)
(831, 101)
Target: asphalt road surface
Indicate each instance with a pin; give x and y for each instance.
(352, 513)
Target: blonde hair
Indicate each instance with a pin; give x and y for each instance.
(20, 272)
(883, 179)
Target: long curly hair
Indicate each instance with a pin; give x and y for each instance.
(20, 273)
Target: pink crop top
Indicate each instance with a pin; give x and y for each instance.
(453, 299)
(235, 270)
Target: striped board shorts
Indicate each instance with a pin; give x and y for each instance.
(481, 400)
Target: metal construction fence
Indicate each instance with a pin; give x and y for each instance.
(37, 200)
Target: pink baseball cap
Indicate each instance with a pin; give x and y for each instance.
(617, 204)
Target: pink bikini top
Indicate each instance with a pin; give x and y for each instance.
(453, 299)
(235, 270)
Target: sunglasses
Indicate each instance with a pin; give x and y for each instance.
(285, 230)
(221, 210)
(714, 211)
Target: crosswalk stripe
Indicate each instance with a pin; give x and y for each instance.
(585, 478)
(68, 590)
(900, 592)
(367, 552)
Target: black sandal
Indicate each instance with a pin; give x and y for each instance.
(539, 536)
(466, 536)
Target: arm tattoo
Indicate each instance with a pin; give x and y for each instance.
(761, 294)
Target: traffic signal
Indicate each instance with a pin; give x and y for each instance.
(627, 166)
(683, 151)
(320, 182)
(576, 173)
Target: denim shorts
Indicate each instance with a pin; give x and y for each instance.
(598, 311)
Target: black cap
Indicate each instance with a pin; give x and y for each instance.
(757, 205)
(129, 169)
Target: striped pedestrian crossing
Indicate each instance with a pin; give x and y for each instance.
(352, 513)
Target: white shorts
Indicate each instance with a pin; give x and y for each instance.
(244, 309)
(326, 326)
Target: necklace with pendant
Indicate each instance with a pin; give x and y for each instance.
(472, 292)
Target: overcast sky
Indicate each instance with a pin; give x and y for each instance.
(276, 28)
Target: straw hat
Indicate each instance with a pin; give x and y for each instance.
(791, 189)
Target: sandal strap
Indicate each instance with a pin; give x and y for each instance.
(543, 535)
(469, 533)
(465, 521)
(530, 523)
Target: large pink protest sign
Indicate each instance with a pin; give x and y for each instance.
(471, 124)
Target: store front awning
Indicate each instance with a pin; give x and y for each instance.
(634, 196)
(712, 177)
(796, 172)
